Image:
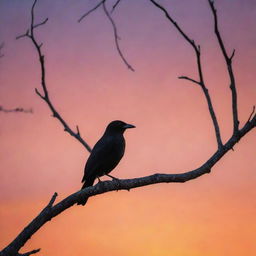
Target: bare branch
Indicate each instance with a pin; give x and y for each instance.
(16, 110)
(229, 68)
(200, 73)
(31, 252)
(40, 24)
(115, 5)
(116, 37)
(77, 129)
(51, 202)
(1, 47)
(253, 110)
(23, 35)
(45, 96)
(91, 10)
(39, 94)
(126, 184)
(233, 54)
(189, 79)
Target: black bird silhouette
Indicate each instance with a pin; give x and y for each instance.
(105, 155)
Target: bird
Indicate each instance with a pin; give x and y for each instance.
(105, 155)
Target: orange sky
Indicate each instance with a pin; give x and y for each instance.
(90, 86)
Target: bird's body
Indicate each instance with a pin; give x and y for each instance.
(106, 154)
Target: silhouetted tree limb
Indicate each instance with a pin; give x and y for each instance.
(252, 113)
(229, 67)
(30, 253)
(52, 210)
(201, 82)
(115, 5)
(45, 96)
(91, 10)
(5, 110)
(116, 37)
(1, 48)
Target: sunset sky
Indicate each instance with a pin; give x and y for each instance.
(90, 86)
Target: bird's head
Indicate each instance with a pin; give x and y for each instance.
(118, 126)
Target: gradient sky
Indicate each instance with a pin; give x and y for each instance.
(90, 86)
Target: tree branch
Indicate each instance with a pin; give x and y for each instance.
(115, 5)
(91, 10)
(200, 73)
(16, 110)
(189, 79)
(29, 253)
(51, 211)
(253, 110)
(116, 37)
(41, 23)
(45, 96)
(229, 68)
(1, 48)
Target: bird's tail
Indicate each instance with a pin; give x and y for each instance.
(87, 183)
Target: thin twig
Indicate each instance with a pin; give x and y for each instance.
(229, 68)
(51, 202)
(45, 96)
(91, 10)
(116, 37)
(29, 253)
(1, 47)
(189, 79)
(23, 35)
(77, 129)
(197, 50)
(115, 5)
(16, 110)
(40, 24)
(233, 54)
(253, 110)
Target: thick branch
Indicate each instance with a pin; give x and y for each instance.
(51, 211)
(200, 73)
(229, 68)
(45, 96)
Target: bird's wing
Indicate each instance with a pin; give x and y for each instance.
(98, 159)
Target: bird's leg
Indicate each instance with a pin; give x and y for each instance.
(99, 181)
(113, 178)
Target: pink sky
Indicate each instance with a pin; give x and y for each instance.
(90, 86)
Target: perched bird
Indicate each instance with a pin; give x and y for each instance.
(105, 155)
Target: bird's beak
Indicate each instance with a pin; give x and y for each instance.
(127, 126)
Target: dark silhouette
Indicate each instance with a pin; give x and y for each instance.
(105, 155)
